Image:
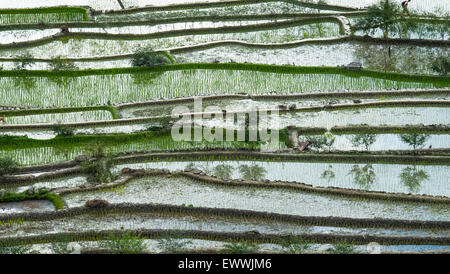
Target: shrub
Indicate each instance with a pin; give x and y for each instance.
(124, 243)
(240, 248)
(63, 130)
(7, 165)
(146, 57)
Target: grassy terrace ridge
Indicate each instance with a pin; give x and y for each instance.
(47, 10)
(24, 112)
(220, 4)
(61, 9)
(443, 81)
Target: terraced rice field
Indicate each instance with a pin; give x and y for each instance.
(224, 127)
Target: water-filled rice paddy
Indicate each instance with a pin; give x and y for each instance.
(417, 179)
(121, 88)
(178, 191)
(82, 116)
(91, 46)
(113, 48)
(329, 119)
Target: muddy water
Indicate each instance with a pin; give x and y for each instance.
(26, 206)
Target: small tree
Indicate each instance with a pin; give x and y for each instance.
(7, 165)
(223, 171)
(146, 57)
(383, 15)
(365, 140)
(415, 140)
(253, 172)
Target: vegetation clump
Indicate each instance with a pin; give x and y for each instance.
(342, 248)
(240, 248)
(33, 194)
(294, 245)
(146, 57)
(24, 61)
(8, 165)
(96, 203)
(62, 130)
(59, 63)
(441, 65)
(14, 250)
(98, 166)
(319, 142)
(124, 243)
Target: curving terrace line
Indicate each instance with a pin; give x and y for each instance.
(131, 174)
(227, 236)
(124, 208)
(220, 4)
(174, 33)
(214, 44)
(162, 21)
(140, 120)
